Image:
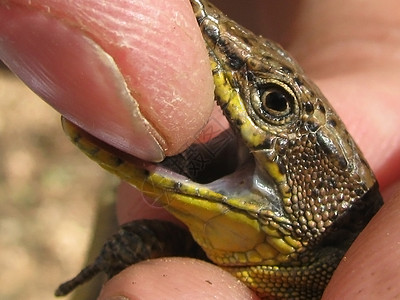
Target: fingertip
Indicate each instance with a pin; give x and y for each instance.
(174, 278)
(133, 73)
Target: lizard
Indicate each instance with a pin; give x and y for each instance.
(293, 193)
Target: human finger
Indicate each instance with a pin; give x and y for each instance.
(175, 278)
(129, 72)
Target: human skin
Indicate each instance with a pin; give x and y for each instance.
(349, 48)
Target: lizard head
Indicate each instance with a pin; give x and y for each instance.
(299, 144)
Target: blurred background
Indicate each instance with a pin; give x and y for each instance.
(50, 197)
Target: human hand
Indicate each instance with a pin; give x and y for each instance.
(345, 60)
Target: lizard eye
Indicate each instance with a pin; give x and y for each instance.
(275, 103)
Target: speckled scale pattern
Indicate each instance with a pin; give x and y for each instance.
(320, 189)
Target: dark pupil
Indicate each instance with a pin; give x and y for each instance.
(275, 100)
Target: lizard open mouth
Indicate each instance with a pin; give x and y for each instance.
(206, 162)
(222, 168)
(224, 164)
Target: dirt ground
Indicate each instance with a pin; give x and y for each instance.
(48, 196)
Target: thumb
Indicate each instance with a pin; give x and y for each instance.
(129, 72)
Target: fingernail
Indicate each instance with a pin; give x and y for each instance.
(78, 78)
